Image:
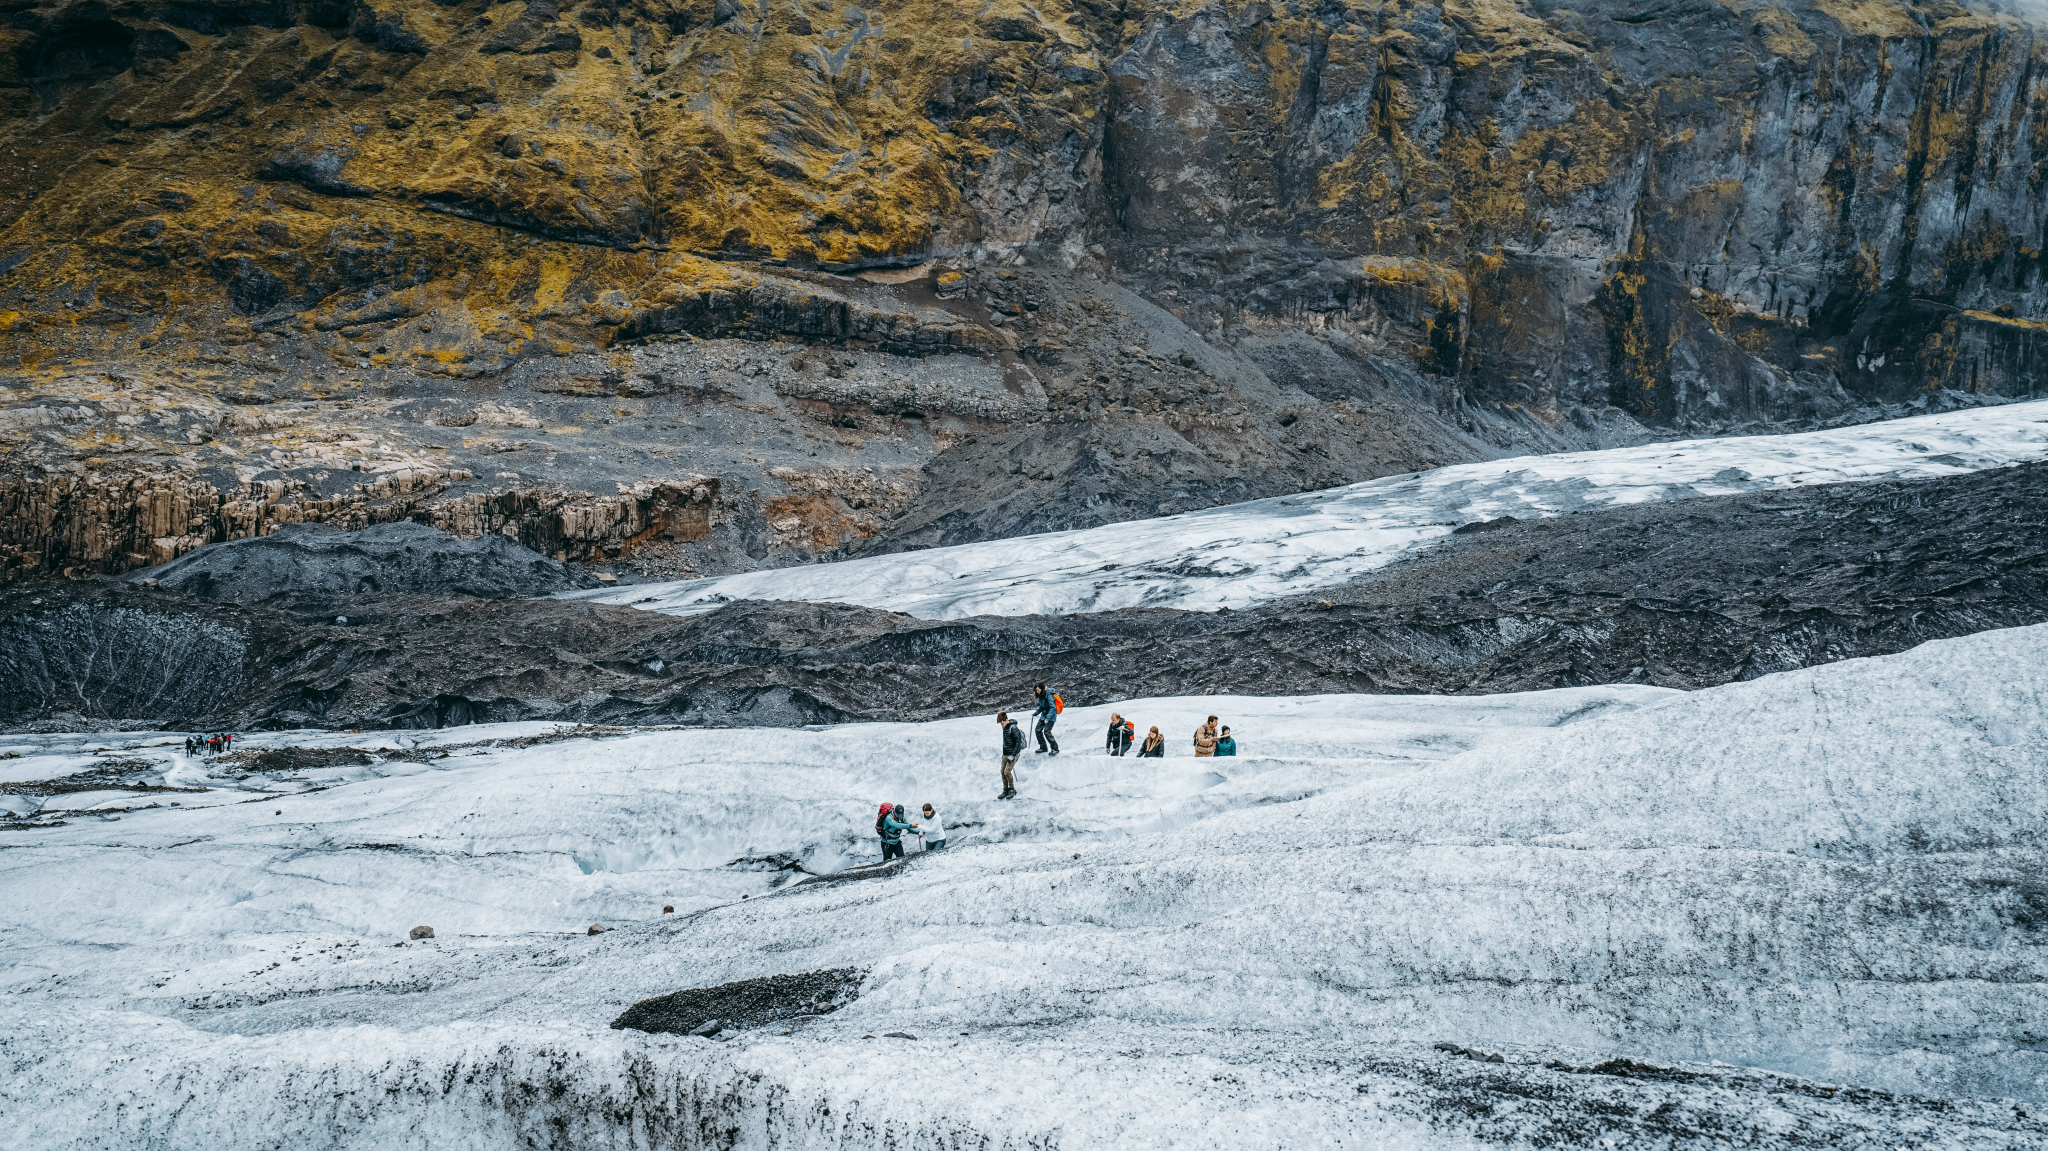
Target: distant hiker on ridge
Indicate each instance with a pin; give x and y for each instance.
(1013, 746)
(1120, 732)
(1205, 738)
(1050, 705)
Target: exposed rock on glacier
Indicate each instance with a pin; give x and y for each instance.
(743, 1003)
(1680, 593)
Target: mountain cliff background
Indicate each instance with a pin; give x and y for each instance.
(685, 288)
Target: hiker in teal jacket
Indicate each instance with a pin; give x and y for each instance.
(1047, 713)
(892, 826)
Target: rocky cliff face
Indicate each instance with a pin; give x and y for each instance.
(879, 276)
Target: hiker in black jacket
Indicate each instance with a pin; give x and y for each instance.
(1013, 746)
(1120, 733)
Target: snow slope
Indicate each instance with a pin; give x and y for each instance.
(1242, 553)
(495, 838)
(1835, 873)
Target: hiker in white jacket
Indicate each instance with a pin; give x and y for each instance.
(934, 831)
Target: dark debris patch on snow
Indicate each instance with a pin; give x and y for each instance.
(301, 758)
(854, 874)
(743, 1003)
(1522, 1100)
(112, 775)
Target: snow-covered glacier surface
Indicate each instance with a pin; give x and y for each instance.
(1241, 553)
(1834, 875)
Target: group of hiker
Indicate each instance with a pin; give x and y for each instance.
(1046, 708)
(217, 743)
(1209, 739)
(891, 825)
(895, 829)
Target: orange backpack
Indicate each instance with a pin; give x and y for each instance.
(1058, 705)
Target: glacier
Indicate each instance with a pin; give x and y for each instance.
(1810, 908)
(1239, 554)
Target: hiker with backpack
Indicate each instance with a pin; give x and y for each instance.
(1226, 745)
(890, 825)
(1154, 746)
(1050, 705)
(1013, 746)
(1120, 733)
(1205, 738)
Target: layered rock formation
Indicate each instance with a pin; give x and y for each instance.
(1161, 255)
(315, 564)
(1684, 594)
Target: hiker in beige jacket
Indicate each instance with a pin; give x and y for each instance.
(1205, 738)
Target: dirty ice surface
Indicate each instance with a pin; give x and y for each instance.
(1241, 553)
(1835, 873)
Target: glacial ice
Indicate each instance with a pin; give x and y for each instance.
(1240, 554)
(1833, 874)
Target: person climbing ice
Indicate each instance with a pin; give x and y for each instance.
(1048, 713)
(934, 831)
(890, 825)
(1013, 746)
